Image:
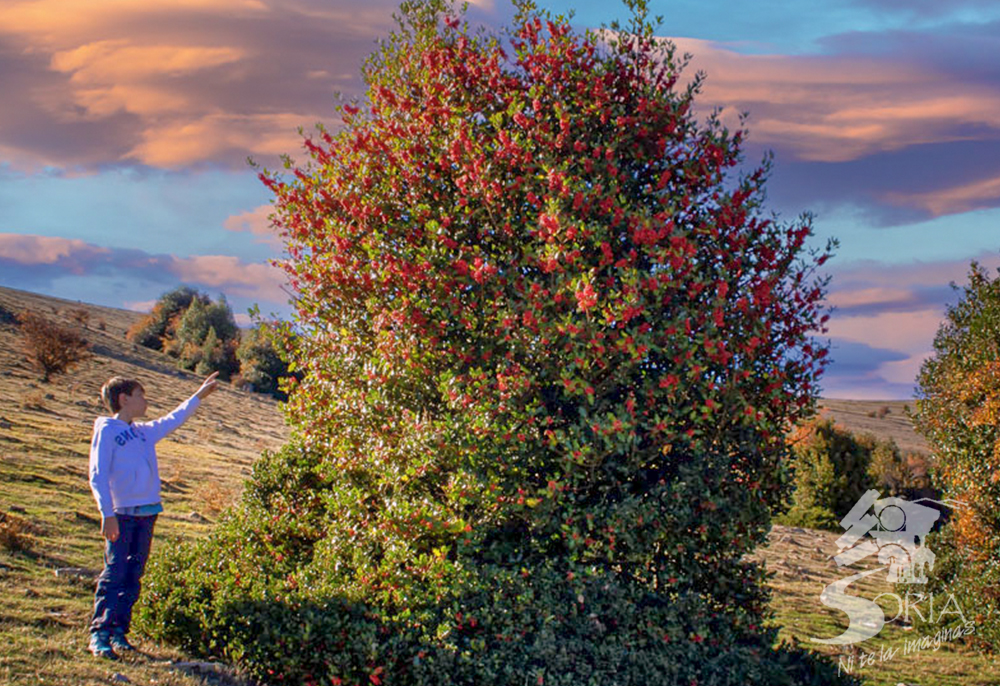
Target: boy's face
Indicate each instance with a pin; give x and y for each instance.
(133, 403)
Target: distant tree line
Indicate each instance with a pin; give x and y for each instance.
(833, 467)
(203, 337)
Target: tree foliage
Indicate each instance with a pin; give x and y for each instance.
(550, 345)
(261, 363)
(187, 325)
(832, 468)
(152, 330)
(48, 347)
(958, 411)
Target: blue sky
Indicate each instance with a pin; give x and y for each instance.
(125, 129)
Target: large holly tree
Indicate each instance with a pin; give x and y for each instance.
(549, 346)
(958, 411)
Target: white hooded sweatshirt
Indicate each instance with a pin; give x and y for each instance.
(123, 469)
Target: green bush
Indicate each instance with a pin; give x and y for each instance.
(152, 330)
(831, 471)
(897, 474)
(547, 350)
(261, 363)
(958, 412)
(188, 326)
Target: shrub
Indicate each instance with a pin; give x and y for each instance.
(33, 400)
(958, 411)
(896, 474)
(16, 533)
(152, 330)
(50, 348)
(81, 316)
(831, 472)
(7, 317)
(261, 364)
(833, 467)
(548, 350)
(187, 325)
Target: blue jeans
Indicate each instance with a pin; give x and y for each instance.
(119, 584)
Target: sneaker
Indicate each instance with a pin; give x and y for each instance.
(100, 645)
(119, 642)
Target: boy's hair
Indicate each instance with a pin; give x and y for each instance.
(112, 390)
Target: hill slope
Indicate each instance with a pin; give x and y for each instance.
(45, 433)
(884, 418)
(46, 502)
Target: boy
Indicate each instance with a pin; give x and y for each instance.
(125, 481)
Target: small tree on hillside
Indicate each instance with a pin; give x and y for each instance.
(49, 347)
(155, 328)
(895, 473)
(550, 349)
(831, 472)
(958, 411)
(260, 363)
(187, 325)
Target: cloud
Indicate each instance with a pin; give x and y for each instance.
(176, 83)
(852, 358)
(891, 188)
(863, 372)
(885, 321)
(257, 222)
(35, 262)
(231, 274)
(952, 200)
(45, 250)
(177, 143)
(927, 8)
(896, 300)
(139, 305)
(842, 106)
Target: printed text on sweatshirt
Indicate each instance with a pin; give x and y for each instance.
(123, 469)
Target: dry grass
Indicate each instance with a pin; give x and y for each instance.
(17, 534)
(884, 418)
(802, 565)
(44, 441)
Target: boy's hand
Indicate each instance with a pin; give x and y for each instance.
(208, 386)
(109, 528)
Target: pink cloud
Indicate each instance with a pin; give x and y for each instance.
(870, 274)
(895, 309)
(179, 142)
(257, 222)
(905, 331)
(840, 107)
(35, 261)
(176, 83)
(45, 250)
(231, 274)
(962, 198)
(139, 305)
(868, 296)
(183, 82)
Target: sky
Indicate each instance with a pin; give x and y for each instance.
(126, 128)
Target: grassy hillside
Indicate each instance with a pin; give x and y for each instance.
(46, 501)
(884, 418)
(44, 440)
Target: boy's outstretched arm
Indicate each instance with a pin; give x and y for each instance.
(161, 427)
(208, 386)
